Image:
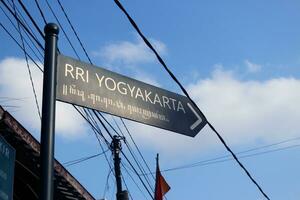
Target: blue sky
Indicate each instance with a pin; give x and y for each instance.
(239, 60)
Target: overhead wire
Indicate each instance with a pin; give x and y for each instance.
(31, 34)
(226, 158)
(24, 21)
(15, 27)
(27, 64)
(24, 26)
(130, 151)
(161, 61)
(33, 42)
(220, 159)
(106, 186)
(40, 10)
(75, 32)
(126, 186)
(140, 178)
(131, 177)
(62, 28)
(96, 113)
(11, 36)
(83, 159)
(81, 44)
(31, 19)
(128, 145)
(138, 149)
(138, 175)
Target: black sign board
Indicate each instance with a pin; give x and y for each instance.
(97, 88)
(7, 164)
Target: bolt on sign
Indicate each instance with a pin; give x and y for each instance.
(106, 91)
(7, 166)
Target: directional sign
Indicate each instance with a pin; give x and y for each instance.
(7, 163)
(97, 88)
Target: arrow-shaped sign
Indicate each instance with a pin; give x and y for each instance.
(97, 88)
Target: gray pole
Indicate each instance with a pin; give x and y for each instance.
(116, 147)
(48, 112)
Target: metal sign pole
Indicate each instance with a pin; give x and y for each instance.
(48, 112)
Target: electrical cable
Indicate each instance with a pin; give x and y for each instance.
(226, 158)
(39, 43)
(240, 164)
(81, 44)
(31, 19)
(63, 30)
(97, 135)
(15, 27)
(104, 126)
(138, 175)
(106, 129)
(27, 64)
(22, 18)
(129, 147)
(130, 151)
(126, 128)
(126, 186)
(20, 46)
(26, 29)
(117, 2)
(106, 186)
(72, 27)
(41, 12)
(83, 159)
(131, 177)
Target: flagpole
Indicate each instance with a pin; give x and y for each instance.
(161, 186)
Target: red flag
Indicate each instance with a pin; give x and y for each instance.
(161, 186)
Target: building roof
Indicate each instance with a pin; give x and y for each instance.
(27, 165)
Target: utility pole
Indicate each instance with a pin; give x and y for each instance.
(116, 148)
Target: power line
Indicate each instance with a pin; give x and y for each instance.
(10, 35)
(26, 29)
(131, 177)
(41, 12)
(75, 32)
(106, 129)
(83, 159)
(106, 186)
(63, 30)
(81, 44)
(94, 129)
(27, 64)
(137, 174)
(117, 2)
(15, 27)
(130, 151)
(22, 18)
(126, 128)
(227, 158)
(31, 19)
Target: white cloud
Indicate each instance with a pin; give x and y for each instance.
(244, 112)
(252, 67)
(130, 52)
(15, 83)
(248, 110)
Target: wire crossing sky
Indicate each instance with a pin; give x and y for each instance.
(239, 62)
(186, 93)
